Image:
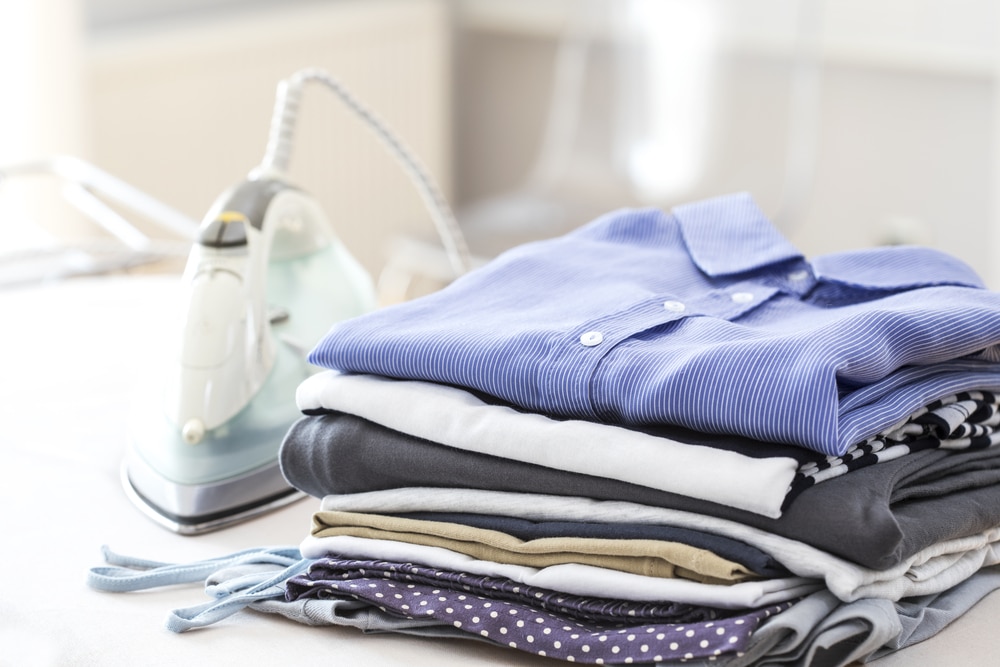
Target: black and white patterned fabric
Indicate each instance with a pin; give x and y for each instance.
(966, 420)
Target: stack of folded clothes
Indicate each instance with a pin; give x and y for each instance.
(675, 416)
(662, 438)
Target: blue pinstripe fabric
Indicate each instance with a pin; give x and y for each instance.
(707, 318)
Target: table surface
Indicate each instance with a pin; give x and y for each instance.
(74, 354)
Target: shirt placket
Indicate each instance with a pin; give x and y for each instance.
(572, 377)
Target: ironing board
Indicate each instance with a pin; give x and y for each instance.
(73, 354)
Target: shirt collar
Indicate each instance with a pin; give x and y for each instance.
(892, 267)
(729, 234)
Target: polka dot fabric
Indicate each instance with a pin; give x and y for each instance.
(535, 620)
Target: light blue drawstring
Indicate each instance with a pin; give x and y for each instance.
(135, 574)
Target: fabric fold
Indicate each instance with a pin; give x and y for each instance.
(572, 578)
(757, 485)
(932, 569)
(905, 504)
(653, 558)
(531, 619)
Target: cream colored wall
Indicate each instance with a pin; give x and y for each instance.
(181, 108)
(41, 112)
(904, 139)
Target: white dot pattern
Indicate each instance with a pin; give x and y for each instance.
(562, 626)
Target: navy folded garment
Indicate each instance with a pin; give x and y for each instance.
(532, 619)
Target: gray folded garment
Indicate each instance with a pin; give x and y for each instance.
(924, 616)
(875, 516)
(819, 631)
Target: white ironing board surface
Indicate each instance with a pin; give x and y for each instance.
(73, 354)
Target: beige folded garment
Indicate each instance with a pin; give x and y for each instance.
(655, 558)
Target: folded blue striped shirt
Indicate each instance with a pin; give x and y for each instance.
(704, 317)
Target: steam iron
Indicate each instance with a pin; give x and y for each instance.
(265, 279)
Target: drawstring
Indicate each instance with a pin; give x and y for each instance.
(232, 601)
(134, 574)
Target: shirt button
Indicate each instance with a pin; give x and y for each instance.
(742, 297)
(592, 338)
(798, 275)
(673, 306)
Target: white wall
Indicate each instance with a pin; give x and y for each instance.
(896, 142)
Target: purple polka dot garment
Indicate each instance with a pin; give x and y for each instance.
(535, 620)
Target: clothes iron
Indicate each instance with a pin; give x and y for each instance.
(265, 279)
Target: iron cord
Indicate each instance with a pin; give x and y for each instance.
(280, 140)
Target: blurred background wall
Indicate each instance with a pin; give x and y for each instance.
(853, 122)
